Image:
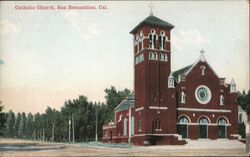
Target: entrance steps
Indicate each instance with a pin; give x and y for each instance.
(215, 144)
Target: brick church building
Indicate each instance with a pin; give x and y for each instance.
(169, 107)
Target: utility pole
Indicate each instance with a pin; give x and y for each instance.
(34, 129)
(69, 128)
(73, 127)
(96, 124)
(53, 131)
(43, 134)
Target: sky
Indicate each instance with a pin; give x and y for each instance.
(54, 55)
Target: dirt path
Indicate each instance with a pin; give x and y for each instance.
(13, 147)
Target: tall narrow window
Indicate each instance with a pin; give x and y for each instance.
(222, 128)
(152, 39)
(203, 129)
(221, 100)
(125, 127)
(132, 125)
(141, 39)
(139, 124)
(182, 127)
(162, 39)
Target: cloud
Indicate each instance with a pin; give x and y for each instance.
(187, 38)
(7, 27)
(87, 29)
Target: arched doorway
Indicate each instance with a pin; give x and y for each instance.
(182, 127)
(222, 128)
(203, 129)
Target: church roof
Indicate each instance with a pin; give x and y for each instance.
(181, 71)
(124, 105)
(155, 21)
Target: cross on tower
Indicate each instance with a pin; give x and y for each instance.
(151, 9)
(202, 52)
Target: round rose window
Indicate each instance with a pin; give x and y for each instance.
(203, 94)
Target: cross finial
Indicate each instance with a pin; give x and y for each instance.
(151, 9)
(202, 52)
(202, 57)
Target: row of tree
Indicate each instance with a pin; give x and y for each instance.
(76, 119)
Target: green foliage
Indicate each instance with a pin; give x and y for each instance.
(17, 123)
(10, 131)
(2, 119)
(53, 125)
(29, 126)
(22, 126)
(244, 101)
(114, 98)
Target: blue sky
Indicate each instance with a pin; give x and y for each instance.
(52, 55)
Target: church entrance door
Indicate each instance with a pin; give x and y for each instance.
(222, 131)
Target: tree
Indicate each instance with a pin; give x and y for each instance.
(2, 119)
(29, 126)
(244, 101)
(17, 123)
(114, 98)
(10, 131)
(22, 126)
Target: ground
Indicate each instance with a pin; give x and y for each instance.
(15, 147)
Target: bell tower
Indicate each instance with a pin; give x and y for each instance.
(152, 67)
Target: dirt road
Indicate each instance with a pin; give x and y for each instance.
(13, 147)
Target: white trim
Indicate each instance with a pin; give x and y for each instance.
(158, 108)
(139, 109)
(203, 110)
(120, 104)
(236, 135)
(209, 94)
(222, 118)
(186, 73)
(204, 116)
(209, 124)
(108, 127)
(183, 115)
(157, 135)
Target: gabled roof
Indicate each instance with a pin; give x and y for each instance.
(155, 21)
(181, 71)
(186, 70)
(124, 105)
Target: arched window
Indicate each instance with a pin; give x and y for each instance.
(171, 81)
(125, 126)
(165, 57)
(152, 39)
(221, 100)
(162, 39)
(203, 129)
(222, 121)
(182, 127)
(203, 121)
(183, 120)
(155, 56)
(132, 125)
(158, 124)
(222, 128)
(151, 55)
